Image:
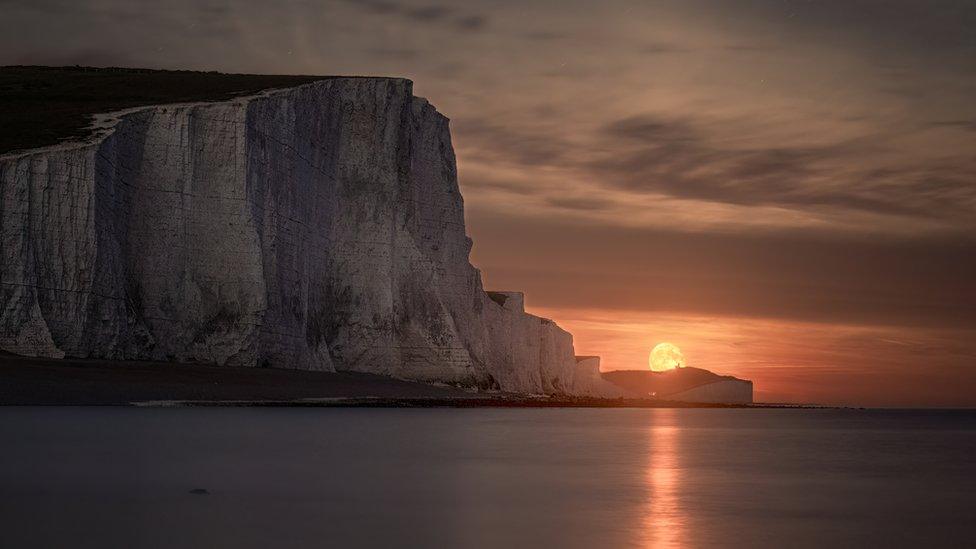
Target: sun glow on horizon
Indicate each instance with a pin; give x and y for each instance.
(666, 356)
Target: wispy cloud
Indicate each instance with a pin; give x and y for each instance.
(676, 157)
(428, 13)
(472, 22)
(431, 13)
(966, 125)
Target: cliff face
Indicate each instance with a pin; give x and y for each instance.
(726, 391)
(686, 384)
(317, 227)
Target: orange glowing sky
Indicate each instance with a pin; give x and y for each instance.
(784, 189)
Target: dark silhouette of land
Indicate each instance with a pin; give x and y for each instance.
(89, 382)
(80, 382)
(42, 106)
(646, 382)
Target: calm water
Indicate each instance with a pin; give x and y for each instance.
(121, 477)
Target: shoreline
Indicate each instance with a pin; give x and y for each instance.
(471, 402)
(35, 381)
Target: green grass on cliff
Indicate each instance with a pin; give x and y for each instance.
(42, 106)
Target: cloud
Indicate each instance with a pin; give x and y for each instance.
(651, 129)
(659, 155)
(486, 141)
(966, 125)
(433, 13)
(82, 57)
(472, 22)
(545, 36)
(377, 6)
(756, 48)
(659, 48)
(40, 5)
(484, 181)
(428, 13)
(894, 25)
(796, 177)
(923, 281)
(581, 203)
(652, 154)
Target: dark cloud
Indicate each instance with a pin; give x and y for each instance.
(433, 13)
(428, 13)
(38, 5)
(482, 182)
(377, 6)
(580, 203)
(907, 90)
(545, 36)
(754, 48)
(651, 129)
(472, 22)
(59, 10)
(967, 125)
(892, 25)
(214, 10)
(659, 155)
(483, 140)
(660, 48)
(82, 57)
(651, 154)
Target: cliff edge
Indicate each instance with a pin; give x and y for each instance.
(316, 227)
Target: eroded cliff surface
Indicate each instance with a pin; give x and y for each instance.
(318, 227)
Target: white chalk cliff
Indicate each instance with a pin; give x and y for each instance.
(318, 227)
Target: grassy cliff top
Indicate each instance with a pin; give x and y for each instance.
(42, 106)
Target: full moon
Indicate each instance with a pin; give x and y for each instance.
(666, 356)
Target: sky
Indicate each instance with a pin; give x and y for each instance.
(784, 189)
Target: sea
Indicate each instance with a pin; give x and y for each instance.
(486, 477)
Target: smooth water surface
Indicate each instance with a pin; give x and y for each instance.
(441, 478)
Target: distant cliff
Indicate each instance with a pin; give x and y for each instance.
(682, 385)
(316, 227)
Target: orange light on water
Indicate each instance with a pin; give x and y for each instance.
(665, 523)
